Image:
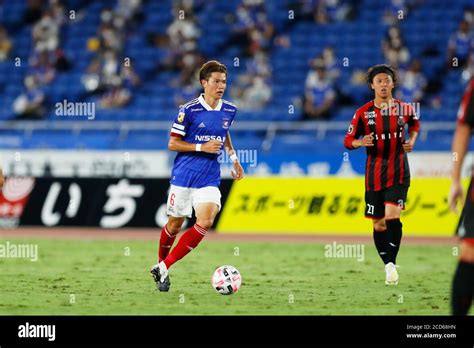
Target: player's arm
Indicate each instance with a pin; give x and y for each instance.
(238, 172)
(355, 131)
(460, 144)
(2, 178)
(413, 130)
(409, 144)
(177, 144)
(178, 130)
(459, 149)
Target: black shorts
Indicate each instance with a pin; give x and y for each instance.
(466, 221)
(375, 201)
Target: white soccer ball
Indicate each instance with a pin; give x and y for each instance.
(226, 280)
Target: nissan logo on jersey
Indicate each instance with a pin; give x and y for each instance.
(209, 137)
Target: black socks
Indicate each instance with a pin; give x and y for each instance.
(381, 243)
(463, 288)
(394, 236)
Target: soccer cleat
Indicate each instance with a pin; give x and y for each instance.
(161, 277)
(391, 274)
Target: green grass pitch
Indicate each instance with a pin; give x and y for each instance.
(76, 277)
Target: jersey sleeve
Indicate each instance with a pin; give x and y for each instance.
(466, 108)
(181, 123)
(233, 117)
(413, 121)
(355, 131)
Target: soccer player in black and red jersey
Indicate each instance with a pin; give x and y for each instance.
(463, 282)
(381, 124)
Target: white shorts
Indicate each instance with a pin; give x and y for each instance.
(182, 200)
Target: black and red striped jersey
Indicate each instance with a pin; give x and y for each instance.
(387, 162)
(466, 108)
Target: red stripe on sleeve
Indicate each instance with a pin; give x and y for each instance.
(465, 102)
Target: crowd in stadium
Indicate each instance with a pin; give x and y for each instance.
(252, 40)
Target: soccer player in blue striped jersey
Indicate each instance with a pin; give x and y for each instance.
(198, 133)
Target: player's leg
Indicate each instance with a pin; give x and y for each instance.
(463, 282)
(380, 238)
(394, 200)
(394, 231)
(394, 237)
(168, 236)
(375, 211)
(179, 205)
(206, 203)
(205, 214)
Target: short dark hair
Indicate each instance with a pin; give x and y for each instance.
(209, 67)
(378, 69)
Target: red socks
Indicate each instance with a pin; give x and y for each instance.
(188, 241)
(166, 242)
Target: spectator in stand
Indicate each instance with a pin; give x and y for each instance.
(188, 90)
(250, 28)
(58, 13)
(42, 67)
(469, 18)
(468, 73)
(30, 104)
(184, 28)
(5, 44)
(319, 92)
(327, 11)
(109, 34)
(330, 63)
(107, 73)
(181, 45)
(257, 75)
(394, 49)
(102, 72)
(121, 94)
(130, 10)
(189, 66)
(46, 33)
(261, 34)
(460, 46)
(412, 83)
(256, 96)
(259, 65)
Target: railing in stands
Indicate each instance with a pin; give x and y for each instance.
(270, 128)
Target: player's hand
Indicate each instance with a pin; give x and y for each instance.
(212, 146)
(455, 195)
(367, 140)
(407, 146)
(238, 172)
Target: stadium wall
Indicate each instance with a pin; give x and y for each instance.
(254, 205)
(157, 164)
